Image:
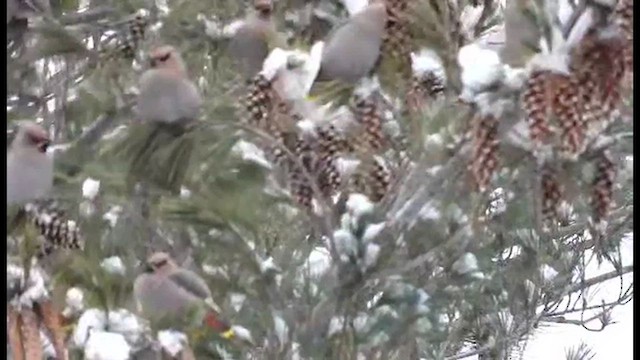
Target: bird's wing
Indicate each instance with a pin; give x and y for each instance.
(191, 282)
(161, 299)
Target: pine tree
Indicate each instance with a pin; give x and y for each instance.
(406, 222)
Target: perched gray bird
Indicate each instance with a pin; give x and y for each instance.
(166, 93)
(249, 45)
(29, 167)
(166, 290)
(352, 51)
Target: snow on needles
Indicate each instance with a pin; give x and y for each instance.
(104, 345)
(113, 265)
(34, 290)
(91, 333)
(481, 68)
(427, 61)
(172, 341)
(90, 188)
(250, 152)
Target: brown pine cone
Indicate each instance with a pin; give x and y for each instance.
(557, 95)
(484, 161)
(602, 186)
(551, 195)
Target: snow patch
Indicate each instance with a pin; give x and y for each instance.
(90, 188)
(113, 265)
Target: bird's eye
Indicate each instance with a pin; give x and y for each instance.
(165, 57)
(43, 146)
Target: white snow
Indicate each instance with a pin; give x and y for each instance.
(74, 301)
(124, 322)
(112, 215)
(480, 68)
(104, 345)
(91, 319)
(372, 231)
(336, 326)
(354, 6)
(90, 188)
(36, 289)
(347, 167)
(237, 300)
(359, 204)
(250, 152)
(346, 244)
(467, 263)
(371, 255)
(275, 61)
(172, 341)
(548, 273)
(281, 329)
(318, 262)
(185, 193)
(120, 322)
(113, 265)
(268, 264)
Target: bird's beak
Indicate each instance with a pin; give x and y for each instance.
(152, 62)
(147, 268)
(43, 145)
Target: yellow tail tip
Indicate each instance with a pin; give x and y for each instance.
(229, 334)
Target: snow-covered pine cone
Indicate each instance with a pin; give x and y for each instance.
(484, 161)
(602, 186)
(367, 114)
(423, 88)
(550, 94)
(599, 67)
(551, 195)
(56, 231)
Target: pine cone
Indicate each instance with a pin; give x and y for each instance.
(52, 321)
(484, 160)
(301, 188)
(548, 94)
(369, 117)
(330, 144)
(30, 330)
(56, 232)
(423, 88)
(623, 17)
(373, 179)
(15, 335)
(602, 187)
(259, 102)
(599, 67)
(397, 41)
(551, 195)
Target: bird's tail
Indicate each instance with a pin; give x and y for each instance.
(215, 322)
